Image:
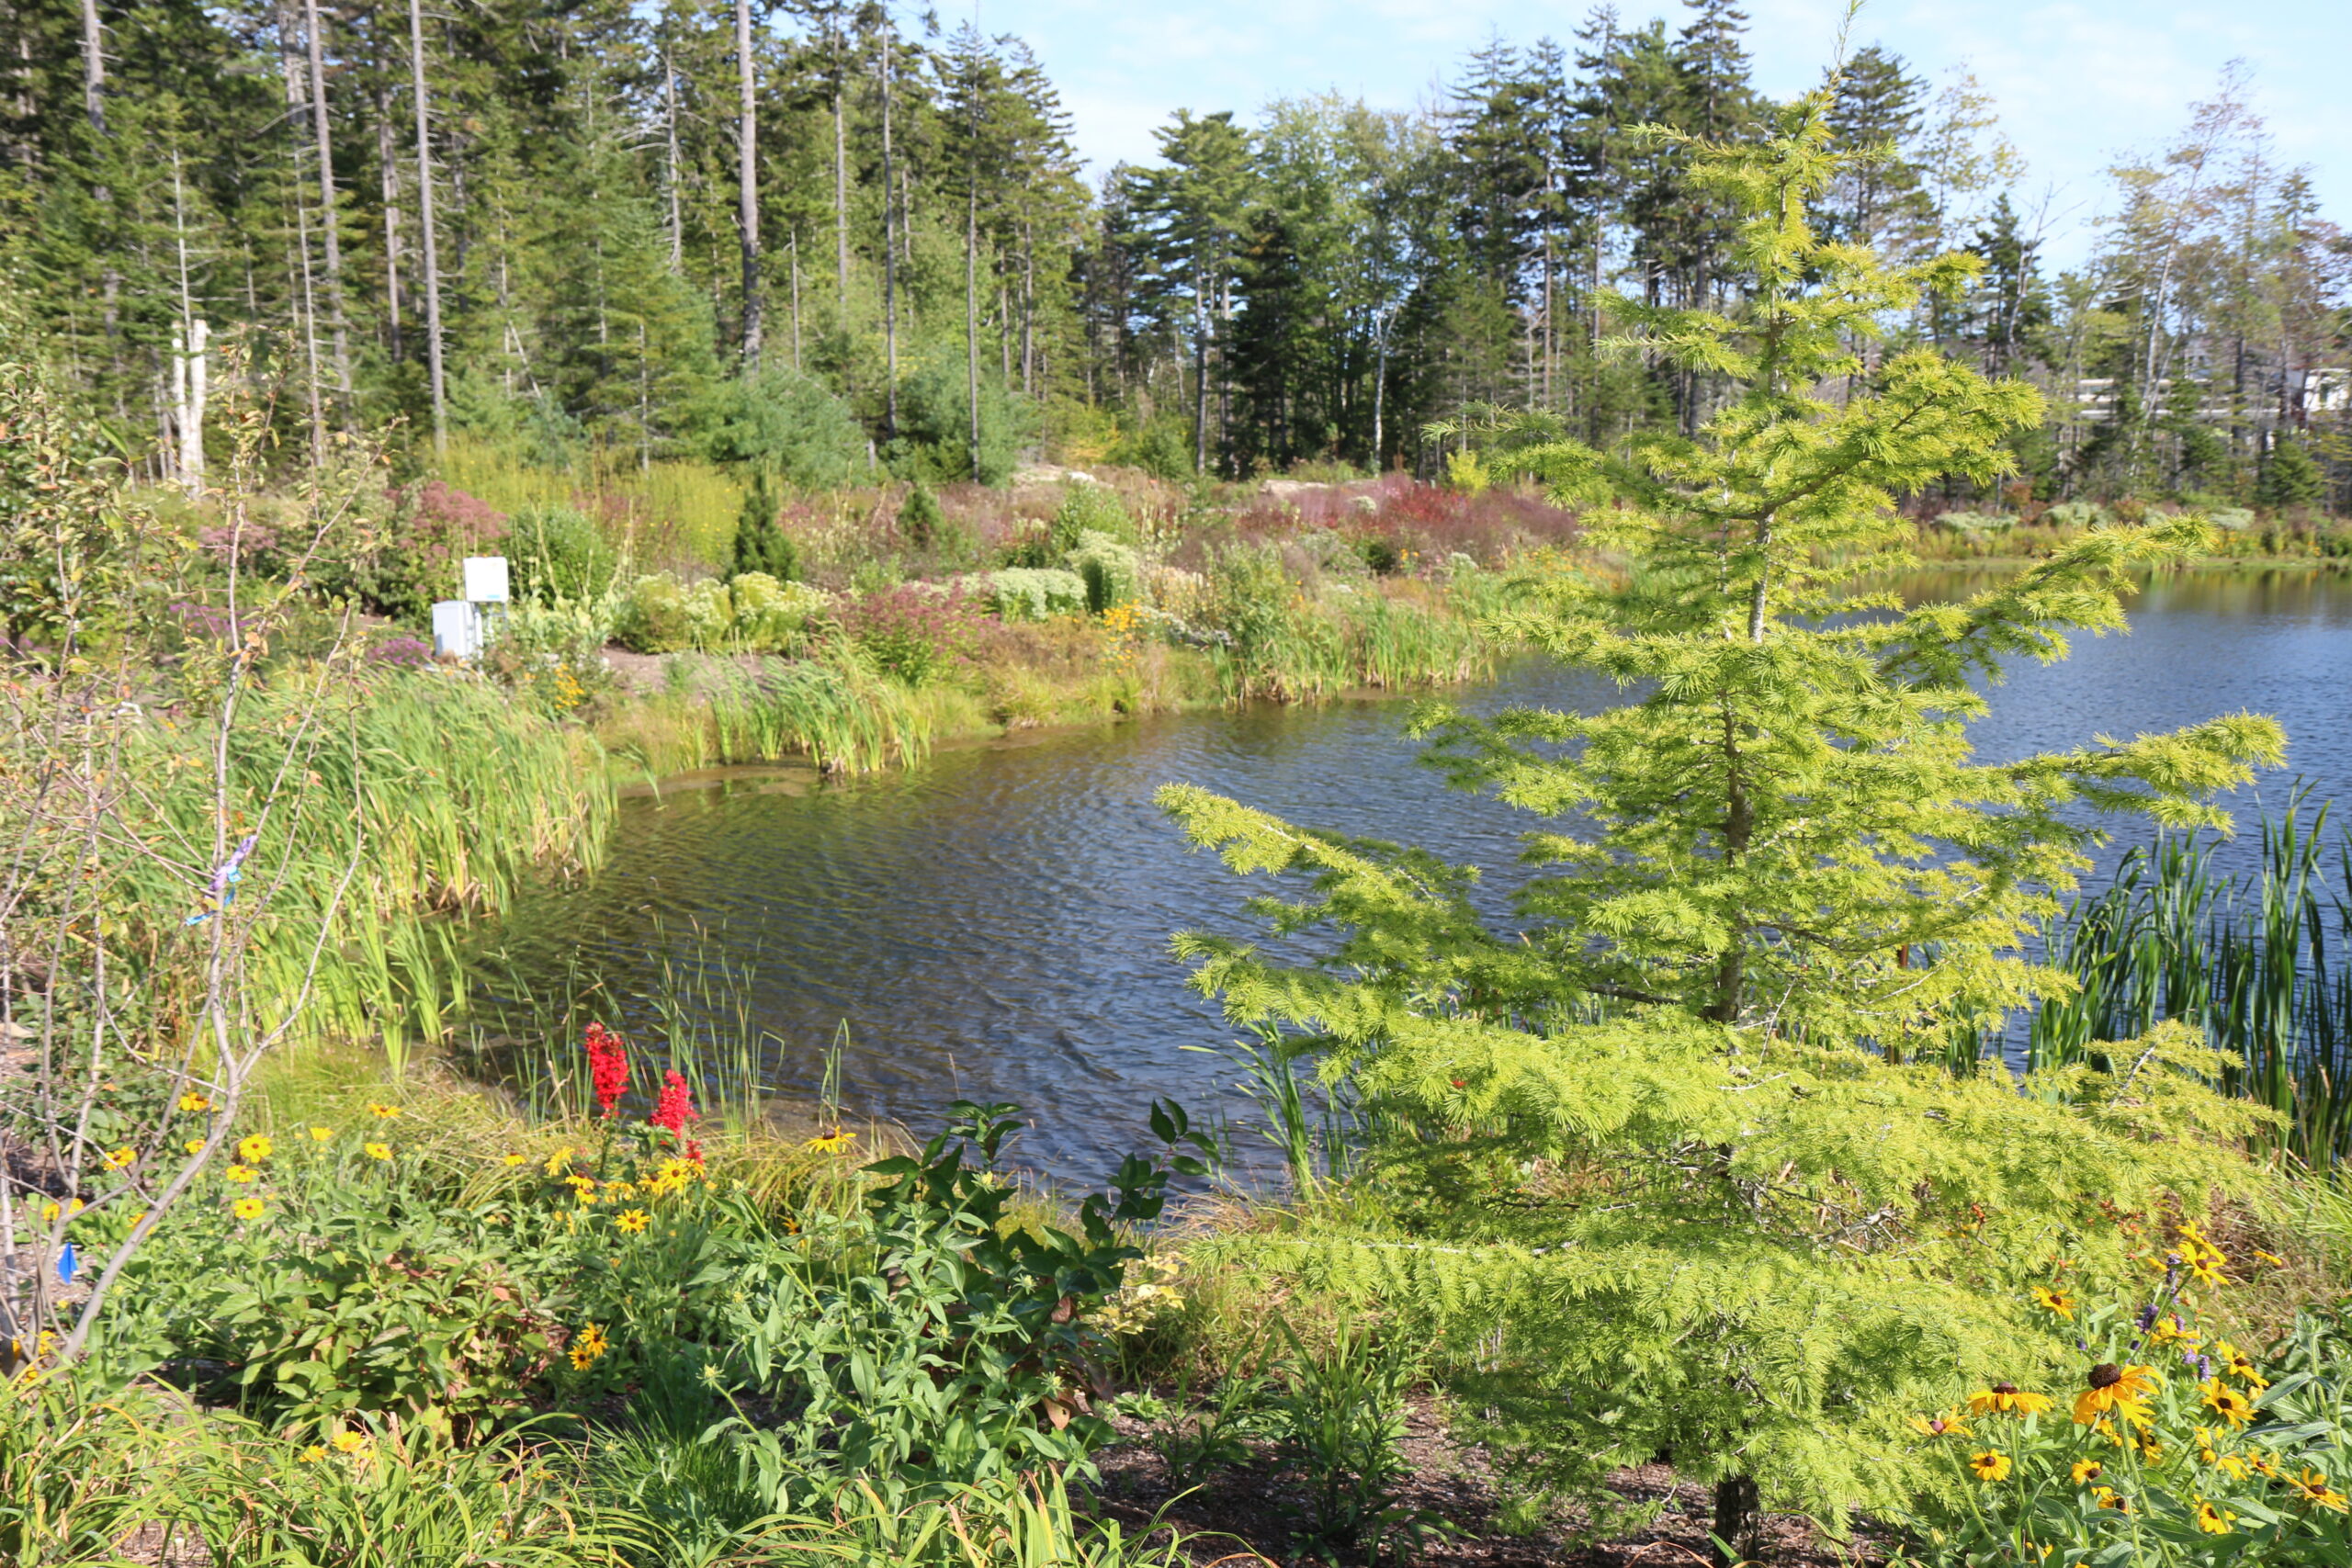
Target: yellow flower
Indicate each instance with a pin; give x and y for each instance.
(2058, 1301)
(255, 1149)
(314, 1454)
(350, 1442)
(1989, 1465)
(322, 1134)
(2311, 1487)
(632, 1221)
(241, 1173)
(558, 1160)
(1947, 1425)
(2119, 1389)
(2213, 1521)
(619, 1191)
(248, 1208)
(2226, 1401)
(2169, 1330)
(830, 1142)
(2006, 1399)
(2205, 1268)
(194, 1145)
(376, 1151)
(123, 1159)
(2237, 1364)
(587, 1345)
(192, 1102)
(382, 1112)
(2087, 1470)
(2271, 1257)
(2108, 1497)
(512, 1159)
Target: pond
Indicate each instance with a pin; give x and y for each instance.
(995, 922)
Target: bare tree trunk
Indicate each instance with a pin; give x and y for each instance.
(1028, 311)
(94, 67)
(841, 187)
(424, 220)
(670, 124)
(972, 301)
(747, 155)
(338, 333)
(1201, 318)
(388, 165)
(889, 254)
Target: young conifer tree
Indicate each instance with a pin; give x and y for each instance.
(761, 543)
(1695, 1148)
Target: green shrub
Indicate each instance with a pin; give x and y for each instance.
(1975, 524)
(558, 554)
(772, 617)
(1090, 509)
(920, 521)
(2074, 514)
(954, 1361)
(1112, 571)
(784, 422)
(662, 616)
(1036, 593)
(934, 441)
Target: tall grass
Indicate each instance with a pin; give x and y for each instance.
(417, 796)
(2262, 963)
(1287, 648)
(669, 515)
(834, 710)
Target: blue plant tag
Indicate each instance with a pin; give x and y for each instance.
(66, 1265)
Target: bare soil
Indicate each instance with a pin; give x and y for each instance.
(1249, 1511)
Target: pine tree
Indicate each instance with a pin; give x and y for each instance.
(760, 544)
(1696, 1134)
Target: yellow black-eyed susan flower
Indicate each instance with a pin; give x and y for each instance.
(2007, 1399)
(1990, 1465)
(2057, 1301)
(2226, 1401)
(2123, 1389)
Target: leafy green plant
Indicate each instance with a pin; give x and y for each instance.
(1340, 1417)
(1196, 1437)
(384, 1498)
(558, 555)
(949, 1345)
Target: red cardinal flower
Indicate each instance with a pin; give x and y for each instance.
(607, 1066)
(675, 1107)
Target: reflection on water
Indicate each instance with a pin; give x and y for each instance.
(995, 924)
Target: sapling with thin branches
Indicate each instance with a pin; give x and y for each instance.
(1678, 1143)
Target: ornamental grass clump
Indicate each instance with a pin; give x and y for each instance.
(1675, 1158)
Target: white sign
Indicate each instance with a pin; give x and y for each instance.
(485, 578)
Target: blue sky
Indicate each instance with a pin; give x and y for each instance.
(2079, 82)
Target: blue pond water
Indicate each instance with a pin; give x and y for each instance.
(995, 922)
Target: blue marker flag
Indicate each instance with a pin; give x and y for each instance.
(65, 1265)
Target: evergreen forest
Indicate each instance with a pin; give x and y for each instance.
(559, 228)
